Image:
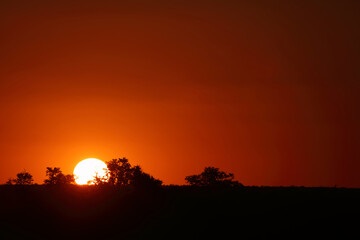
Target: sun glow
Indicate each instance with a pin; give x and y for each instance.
(87, 169)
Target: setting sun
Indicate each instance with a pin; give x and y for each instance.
(87, 169)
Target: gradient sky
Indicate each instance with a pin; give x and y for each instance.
(268, 90)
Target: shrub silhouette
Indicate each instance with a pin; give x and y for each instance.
(22, 178)
(55, 176)
(212, 176)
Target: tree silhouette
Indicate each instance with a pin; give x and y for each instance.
(121, 173)
(68, 179)
(100, 180)
(142, 179)
(10, 181)
(212, 176)
(22, 178)
(55, 176)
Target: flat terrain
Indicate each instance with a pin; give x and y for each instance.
(178, 212)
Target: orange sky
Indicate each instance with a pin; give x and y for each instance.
(266, 90)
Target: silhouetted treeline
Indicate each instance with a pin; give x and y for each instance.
(54, 177)
(131, 204)
(120, 172)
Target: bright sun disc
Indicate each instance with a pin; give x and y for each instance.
(86, 170)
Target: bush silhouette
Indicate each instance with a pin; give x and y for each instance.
(22, 178)
(212, 176)
(55, 176)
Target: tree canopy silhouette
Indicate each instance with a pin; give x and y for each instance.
(55, 176)
(22, 178)
(212, 176)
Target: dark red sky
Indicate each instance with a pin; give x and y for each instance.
(266, 90)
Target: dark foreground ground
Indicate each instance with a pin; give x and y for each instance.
(73, 212)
